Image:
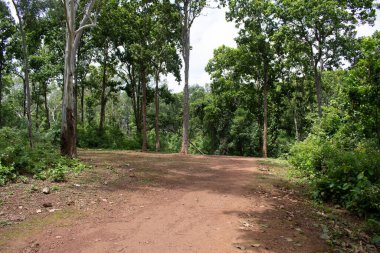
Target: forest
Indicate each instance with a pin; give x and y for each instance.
(299, 86)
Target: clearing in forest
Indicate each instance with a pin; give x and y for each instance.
(144, 202)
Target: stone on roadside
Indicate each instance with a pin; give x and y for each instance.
(47, 204)
(46, 190)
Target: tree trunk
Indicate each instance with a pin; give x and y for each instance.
(156, 114)
(296, 124)
(68, 126)
(76, 87)
(143, 83)
(73, 36)
(24, 97)
(46, 108)
(103, 99)
(318, 88)
(186, 58)
(26, 74)
(265, 123)
(82, 104)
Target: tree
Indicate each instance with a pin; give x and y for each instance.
(189, 10)
(323, 31)
(257, 41)
(102, 38)
(73, 36)
(7, 29)
(166, 34)
(24, 11)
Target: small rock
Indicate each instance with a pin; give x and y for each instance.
(256, 245)
(46, 190)
(77, 185)
(38, 211)
(289, 239)
(58, 237)
(20, 207)
(298, 244)
(239, 246)
(282, 207)
(17, 218)
(47, 204)
(104, 200)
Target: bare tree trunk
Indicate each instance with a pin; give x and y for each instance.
(157, 131)
(296, 124)
(26, 73)
(24, 97)
(318, 88)
(37, 110)
(46, 108)
(68, 125)
(143, 83)
(103, 99)
(76, 87)
(265, 125)
(82, 105)
(186, 58)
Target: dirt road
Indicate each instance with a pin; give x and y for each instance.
(134, 202)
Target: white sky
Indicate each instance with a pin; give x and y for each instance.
(211, 31)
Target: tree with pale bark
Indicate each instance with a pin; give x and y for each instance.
(73, 37)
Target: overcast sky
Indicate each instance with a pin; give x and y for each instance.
(210, 31)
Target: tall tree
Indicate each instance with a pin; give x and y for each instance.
(189, 10)
(257, 40)
(6, 31)
(166, 34)
(73, 36)
(24, 11)
(102, 38)
(323, 31)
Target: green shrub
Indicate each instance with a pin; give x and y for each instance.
(7, 174)
(350, 178)
(42, 162)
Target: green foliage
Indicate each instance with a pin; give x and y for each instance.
(18, 160)
(349, 177)
(109, 138)
(7, 174)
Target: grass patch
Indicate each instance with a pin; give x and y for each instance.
(27, 228)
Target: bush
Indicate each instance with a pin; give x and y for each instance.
(7, 174)
(43, 162)
(348, 178)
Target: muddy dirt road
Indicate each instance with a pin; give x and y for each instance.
(133, 202)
